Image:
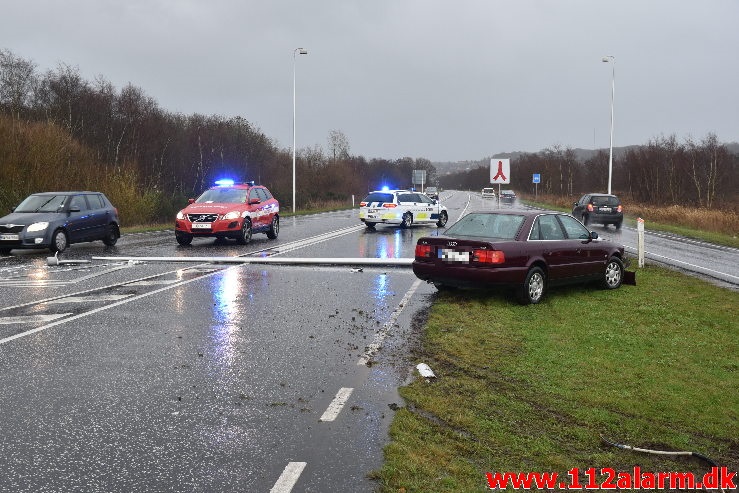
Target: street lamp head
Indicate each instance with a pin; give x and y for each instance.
(608, 58)
(302, 51)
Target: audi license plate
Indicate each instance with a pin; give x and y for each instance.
(449, 255)
(200, 225)
(605, 209)
(6, 237)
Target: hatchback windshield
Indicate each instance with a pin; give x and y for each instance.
(223, 196)
(503, 226)
(42, 203)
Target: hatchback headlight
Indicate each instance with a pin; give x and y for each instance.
(231, 215)
(38, 227)
(180, 215)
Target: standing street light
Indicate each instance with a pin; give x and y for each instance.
(612, 59)
(297, 51)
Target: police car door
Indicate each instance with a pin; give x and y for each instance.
(428, 209)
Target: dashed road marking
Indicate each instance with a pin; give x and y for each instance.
(289, 477)
(337, 404)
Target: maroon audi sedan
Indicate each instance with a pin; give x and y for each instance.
(528, 251)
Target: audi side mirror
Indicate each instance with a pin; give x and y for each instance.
(593, 235)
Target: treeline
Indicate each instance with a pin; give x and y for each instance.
(59, 131)
(664, 172)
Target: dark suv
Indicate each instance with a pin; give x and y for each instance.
(599, 208)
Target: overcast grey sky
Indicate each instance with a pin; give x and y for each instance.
(445, 80)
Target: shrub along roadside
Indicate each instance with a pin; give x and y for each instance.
(533, 388)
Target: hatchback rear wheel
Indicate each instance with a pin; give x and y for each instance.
(111, 235)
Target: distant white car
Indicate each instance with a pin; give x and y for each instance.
(401, 207)
(488, 193)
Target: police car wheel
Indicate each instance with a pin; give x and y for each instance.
(274, 228)
(443, 218)
(407, 220)
(245, 235)
(370, 225)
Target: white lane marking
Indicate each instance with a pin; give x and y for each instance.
(93, 298)
(382, 333)
(289, 477)
(152, 283)
(100, 309)
(30, 319)
(337, 404)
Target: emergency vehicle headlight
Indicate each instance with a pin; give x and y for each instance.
(180, 215)
(231, 215)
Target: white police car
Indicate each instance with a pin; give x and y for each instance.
(402, 207)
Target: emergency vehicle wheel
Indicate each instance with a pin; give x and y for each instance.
(245, 236)
(274, 228)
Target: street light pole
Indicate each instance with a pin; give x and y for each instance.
(612, 59)
(297, 51)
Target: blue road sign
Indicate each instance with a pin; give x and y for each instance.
(537, 178)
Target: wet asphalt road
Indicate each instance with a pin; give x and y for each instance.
(203, 377)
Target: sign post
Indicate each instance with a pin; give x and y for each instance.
(536, 180)
(419, 177)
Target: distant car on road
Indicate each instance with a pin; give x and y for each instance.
(229, 210)
(55, 220)
(432, 192)
(488, 193)
(599, 208)
(401, 207)
(528, 251)
(508, 196)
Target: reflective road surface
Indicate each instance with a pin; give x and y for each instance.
(128, 376)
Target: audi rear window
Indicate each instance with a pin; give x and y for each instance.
(503, 226)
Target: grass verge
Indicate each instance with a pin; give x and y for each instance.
(532, 388)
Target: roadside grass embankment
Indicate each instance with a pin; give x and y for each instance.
(533, 388)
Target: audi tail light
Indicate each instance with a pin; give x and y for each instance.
(424, 251)
(619, 208)
(590, 207)
(488, 256)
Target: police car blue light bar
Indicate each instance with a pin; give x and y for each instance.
(224, 182)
